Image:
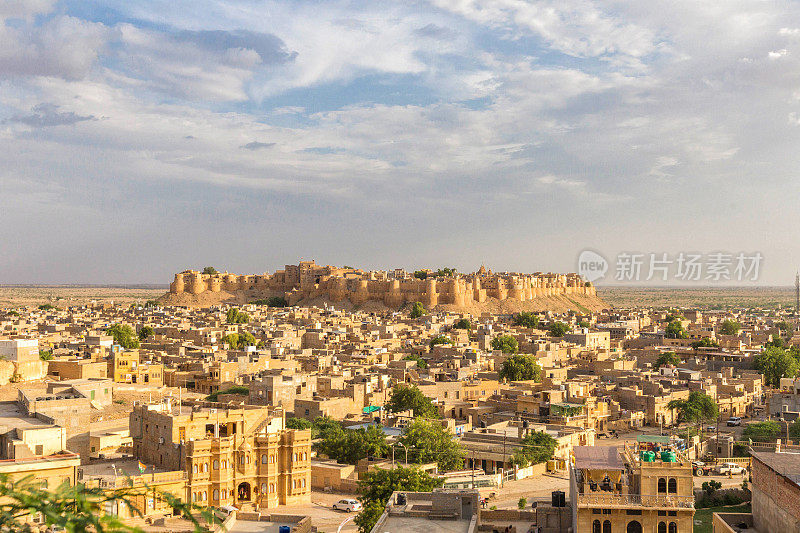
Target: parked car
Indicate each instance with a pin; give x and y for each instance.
(734, 421)
(348, 505)
(701, 469)
(711, 428)
(730, 468)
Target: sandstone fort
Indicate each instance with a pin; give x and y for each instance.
(308, 281)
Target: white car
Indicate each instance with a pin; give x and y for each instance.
(734, 421)
(732, 468)
(348, 506)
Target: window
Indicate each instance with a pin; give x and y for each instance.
(263, 488)
(662, 527)
(264, 459)
(606, 511)
(271, 488)
(672, 486)
(596, 511)
(662, 485)
(305, 456)
(662, 513)
(596, 526)
(672, 513)
(241, 459)
(607, 526)
(216, 464)
(303, 483)
(194, 469)
(673, 527)
(216, 495)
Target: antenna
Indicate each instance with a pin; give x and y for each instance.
(797, 292)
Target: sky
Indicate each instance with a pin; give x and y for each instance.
(139, 138)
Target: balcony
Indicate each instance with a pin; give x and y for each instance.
(626, 501)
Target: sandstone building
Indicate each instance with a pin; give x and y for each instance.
(394, 288)
(240, 456)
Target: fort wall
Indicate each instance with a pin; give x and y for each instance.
(392, 288)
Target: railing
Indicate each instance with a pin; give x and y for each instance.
(636, 500)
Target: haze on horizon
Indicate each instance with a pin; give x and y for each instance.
(140, 138)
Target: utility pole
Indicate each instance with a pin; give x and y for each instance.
(797, 293)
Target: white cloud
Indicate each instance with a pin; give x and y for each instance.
(63, 46)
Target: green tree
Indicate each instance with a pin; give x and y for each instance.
(235, 389)
(705, 342)
(274, 301)
(526, 320)
(446, 272)
(783, 326)
(776, 363)
(378, 485)
(521, 503)
(405, 397)
(417, 310)
(421, 363)
(698, 407)
(766, 431)
(370, 514)
(47, 307)
(462, 324)
(505, 343)
(144, 332)
(668, 358)
(441, 339)
(775, 341)
(420, 274)
(124, 335)
(794, 430)
(81, 509)
(232, 340)
(520, 367)
(537, 447)
(729, 327)
(46, 355)
(247, 339)
(557, 329)
(210, 270)
(675, 330)
(351, 445)
(428, 442)
(298, 423)
(234, 316)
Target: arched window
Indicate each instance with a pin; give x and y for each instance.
(264, 459)
(216, 464)
(271, 488)
(634, 527)
(662, 485)
(672, 486)
(205, 467)
(662, 527)
(194, 469)
(205, 495)
(263, 488)
(673, 527)
(272, 459)
(596, 526)
(216, 495)
(305, 456)
(241, 459)
(607, 526)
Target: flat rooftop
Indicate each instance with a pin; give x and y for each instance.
(13, 417)
(598, 458)
(413, 524)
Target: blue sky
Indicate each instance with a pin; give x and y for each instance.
(140, 138)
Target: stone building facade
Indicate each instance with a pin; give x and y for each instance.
(241, 456)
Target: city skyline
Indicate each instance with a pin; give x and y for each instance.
(141, 139)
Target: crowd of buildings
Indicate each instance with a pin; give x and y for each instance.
(212, 429)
